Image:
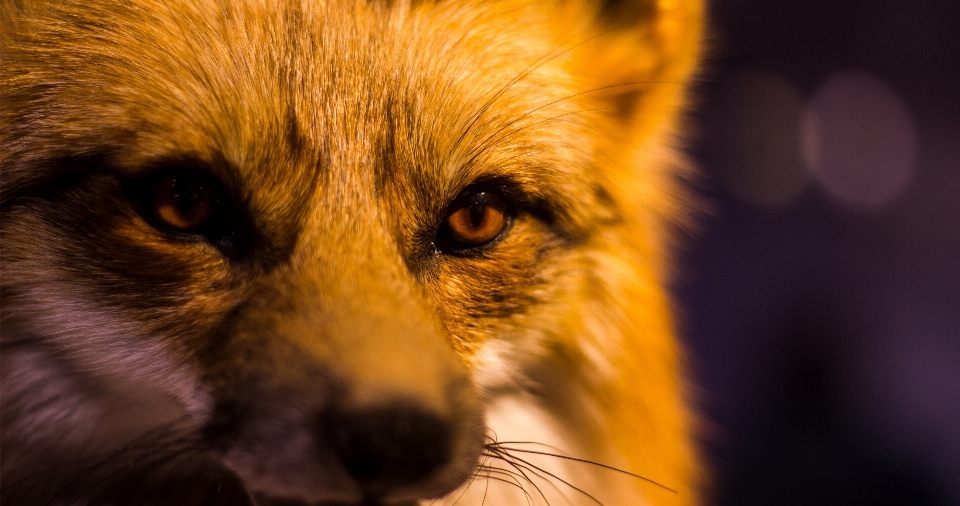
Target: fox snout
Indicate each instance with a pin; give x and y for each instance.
(322, 436)
(394, 450)
(364, 399)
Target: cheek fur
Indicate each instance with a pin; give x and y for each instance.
(478, 294)
(110, 265)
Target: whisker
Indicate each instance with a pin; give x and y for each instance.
(513, 482)
(486, 488)
(86, 476)
(117, 481)
(475, 117)
(543, 60)
(524, 464)
(512, 474)
(96, 459)
(503, 457)
(593, 463)
(537, 475)
(487, 144)
(517, 485)
(511, 479)
(472, 478)
(536, 443)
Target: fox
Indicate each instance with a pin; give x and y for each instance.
(344, 252)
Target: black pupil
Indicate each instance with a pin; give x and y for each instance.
(187, 196)
(478, 209)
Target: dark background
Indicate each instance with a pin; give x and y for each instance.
(820, 297)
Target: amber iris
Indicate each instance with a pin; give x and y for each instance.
(184, 203)
(476, 220)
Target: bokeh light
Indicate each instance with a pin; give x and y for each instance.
(859, 140)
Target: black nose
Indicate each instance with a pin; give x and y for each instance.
(383, 448)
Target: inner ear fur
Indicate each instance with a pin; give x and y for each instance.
(633, 57)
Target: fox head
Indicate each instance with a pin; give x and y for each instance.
(310, 244)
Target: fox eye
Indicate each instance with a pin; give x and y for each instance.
(474, 220)
(183, 197)
(184, 202)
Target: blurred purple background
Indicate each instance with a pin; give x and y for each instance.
(821, 296)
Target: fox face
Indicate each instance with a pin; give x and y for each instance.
(341, 252)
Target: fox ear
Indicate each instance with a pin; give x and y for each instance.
(633, 56)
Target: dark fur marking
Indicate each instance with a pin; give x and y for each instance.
(626, 13)
(387, 162)
(294, 136)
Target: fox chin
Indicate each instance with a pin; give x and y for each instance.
(343, 252)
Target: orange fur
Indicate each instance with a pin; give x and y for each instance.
(342, 132)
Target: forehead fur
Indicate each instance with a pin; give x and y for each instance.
(350, 89)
